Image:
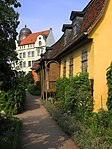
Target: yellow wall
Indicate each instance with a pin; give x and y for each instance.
(99, 57)
(76, 54)
(102, 41)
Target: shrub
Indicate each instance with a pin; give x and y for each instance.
(9, 132)
(74, 95)
(12, 101)
(35, 89)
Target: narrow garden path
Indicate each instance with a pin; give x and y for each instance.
(39, 130)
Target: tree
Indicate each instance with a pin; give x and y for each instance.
(8, 25)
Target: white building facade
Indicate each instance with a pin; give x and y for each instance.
(30, 46)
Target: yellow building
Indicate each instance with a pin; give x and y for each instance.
(86, 47)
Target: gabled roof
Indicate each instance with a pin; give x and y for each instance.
(92, 14)
(31, 39)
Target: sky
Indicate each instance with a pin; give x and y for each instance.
(41, 15)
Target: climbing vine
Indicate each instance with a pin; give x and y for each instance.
(109, 84)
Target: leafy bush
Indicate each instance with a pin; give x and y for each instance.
(12, 101)
(9, 132)
(109, 83)
(74, 94)
(35, 89)
(61, 88)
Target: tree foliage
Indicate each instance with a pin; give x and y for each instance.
(8, 25)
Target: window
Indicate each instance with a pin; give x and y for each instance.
(42, 51)
(24, 64)
(23, 47)
(38, 52)
(84, 60)
(71, 67)
(24, 55)
(74, 28)
(64, 68)
(31, 45)
(32, 53)
(40, 43)
(29, 63)
(20, 55)
(20, 65)
(29, 54)
(76, 25)
(32, 63)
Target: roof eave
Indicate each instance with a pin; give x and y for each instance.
(78, 42)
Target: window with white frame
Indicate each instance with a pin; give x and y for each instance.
(40, 43)
(29, 54)
(29, 63)
(84, 60)
(24, 64)
(32, 53)
(20, 65)
(32, 63)
(38, 52)
(71, 67)
(20, 55)
(24, 54)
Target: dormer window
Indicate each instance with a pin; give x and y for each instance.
(74, 28)
(76, 25)
(67, 30)
(76, 18)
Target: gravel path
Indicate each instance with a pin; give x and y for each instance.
(39, 130)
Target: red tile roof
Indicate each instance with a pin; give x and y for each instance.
(31, 39)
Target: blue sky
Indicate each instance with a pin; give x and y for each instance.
(40, 15)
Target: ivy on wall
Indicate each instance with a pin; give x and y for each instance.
(109, 84)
